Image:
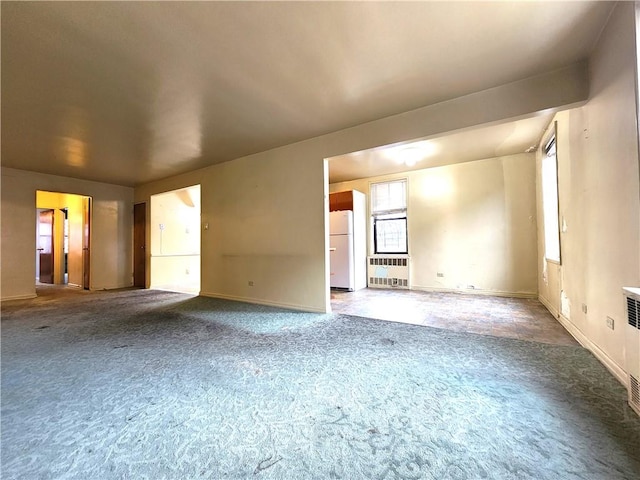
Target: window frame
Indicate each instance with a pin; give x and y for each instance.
(549, 223)
(396, 213)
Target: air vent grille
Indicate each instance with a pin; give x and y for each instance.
(388, 282)
(388, 261)
(633, 309)
(386, 271)
(634, 392)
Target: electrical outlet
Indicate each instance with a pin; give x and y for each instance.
(584, 308)
(440, 274)
(610, 323)
(186, 271)
(251, 283)
(162, 226)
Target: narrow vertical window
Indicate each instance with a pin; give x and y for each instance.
(389, 215)
(550, 206)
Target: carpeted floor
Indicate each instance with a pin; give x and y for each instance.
(157, 385)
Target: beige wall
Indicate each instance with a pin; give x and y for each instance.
(266, 226)
(473, 222)
(268, 212)
(599, 195)
(111, 259)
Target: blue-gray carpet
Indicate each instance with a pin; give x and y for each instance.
(157, 385)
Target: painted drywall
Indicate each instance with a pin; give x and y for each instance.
(265, 225)
(597, 152)
(474, 223)
(111, 236)
(267, 213)
(175, 240)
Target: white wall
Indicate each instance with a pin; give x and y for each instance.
(267, 212)
(473, 222)
(111, 236)
(599, 195)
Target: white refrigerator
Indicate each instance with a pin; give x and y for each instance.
(341, 248)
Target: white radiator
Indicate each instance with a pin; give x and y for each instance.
(632, 346)
(388, 271)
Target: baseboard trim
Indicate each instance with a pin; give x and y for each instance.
(108, 287)
(615, 369)
(554, 311)
(612, 366)
(476, 291)
(288, 306)
(18, 297)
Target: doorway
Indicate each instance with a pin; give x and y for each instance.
(175, 240)
(44, 241)
(63, 228)
(139, 244)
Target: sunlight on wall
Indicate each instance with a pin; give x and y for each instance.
(435, 185)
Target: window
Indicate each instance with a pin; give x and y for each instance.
(550, 202)
(389, 215)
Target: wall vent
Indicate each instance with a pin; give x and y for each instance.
(632, 346)
(633, 312)
(634, 393)
(389, 261)
(388, 272)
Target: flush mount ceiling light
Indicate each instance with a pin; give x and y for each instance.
(412, 153)
(410, 156)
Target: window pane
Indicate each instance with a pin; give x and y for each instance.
(389, 196)
(550, 207)
(391, 235)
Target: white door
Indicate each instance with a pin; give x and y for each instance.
(341, 261)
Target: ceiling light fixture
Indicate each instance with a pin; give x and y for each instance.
(410, 154)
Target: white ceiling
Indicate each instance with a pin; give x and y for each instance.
(508, 138)
(129, 92)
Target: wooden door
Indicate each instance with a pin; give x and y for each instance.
(45, 245)
(86, 242)
(139, 240)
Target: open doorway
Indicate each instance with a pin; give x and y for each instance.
(63, 239)
(175, 240)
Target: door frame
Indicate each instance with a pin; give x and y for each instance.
(57, 201)
(46, 254)
(139, 245)
(87, 211)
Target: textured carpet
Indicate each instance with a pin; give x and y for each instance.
(157, 385)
